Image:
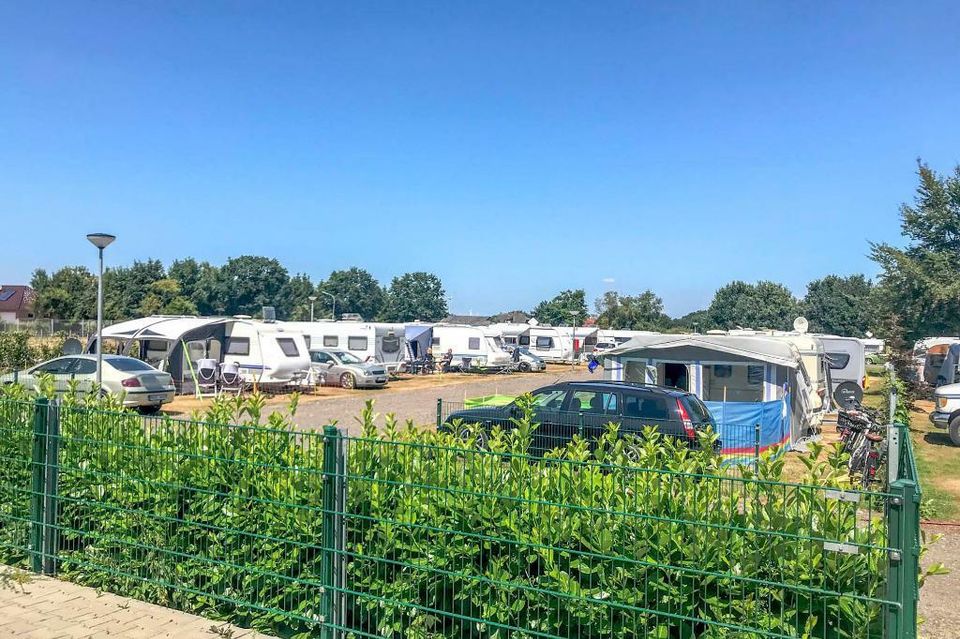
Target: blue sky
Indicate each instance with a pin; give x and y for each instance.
(513, 148)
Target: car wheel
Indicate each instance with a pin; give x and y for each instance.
(955, 431)
(149, 410)
(347, 380)
(524, 367)
(478, 439)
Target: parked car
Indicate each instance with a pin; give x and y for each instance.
(529, 362)
(563, 410)
(141, 385)
(946, 413)
(346, 369)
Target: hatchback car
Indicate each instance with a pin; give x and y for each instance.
(346, 369)
(142, 386)
(570, 408)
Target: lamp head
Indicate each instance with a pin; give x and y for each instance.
(101, 240)
(312, 298)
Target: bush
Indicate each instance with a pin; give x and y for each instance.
(626, 537)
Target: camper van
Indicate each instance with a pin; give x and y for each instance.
(264, 352)
(848, 369)
(473, 347)
(368, 341)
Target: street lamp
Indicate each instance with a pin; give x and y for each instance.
(573, 356)
(312, 298)
(101, 241)
(334, 300)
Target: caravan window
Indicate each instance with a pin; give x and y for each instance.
(524, 340)
(473, 344)
(289, 346)
(754, 375)
(733, 382)
(238, 346)
(435, 341)
(390, 343)
(306, 340)
(544, 342)
(331, 341)
(356, 343)
(838, 361)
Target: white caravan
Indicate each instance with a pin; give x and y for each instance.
(550, 345)
(848, 368)
(473, 346)
(263, 351)
(512, 334)
(609, 338)
(369, 341)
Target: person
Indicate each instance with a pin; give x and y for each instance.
(516, 354)
(446, 361)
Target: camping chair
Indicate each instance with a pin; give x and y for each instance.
(206, 378)
(230, 378)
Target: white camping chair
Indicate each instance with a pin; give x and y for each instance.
(206, 377)
(230, 379)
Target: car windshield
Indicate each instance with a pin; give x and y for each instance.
(129, 364)
(347, 358)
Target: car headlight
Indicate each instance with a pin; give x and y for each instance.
(941, 402)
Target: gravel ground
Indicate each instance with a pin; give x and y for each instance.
(939, 596)
(420, 404)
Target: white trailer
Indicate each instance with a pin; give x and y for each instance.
(608, 338)
(848, 367)
(511, 334)
(474, 346)
(370, 341)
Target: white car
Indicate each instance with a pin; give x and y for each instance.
(141, 385)
(946, 413)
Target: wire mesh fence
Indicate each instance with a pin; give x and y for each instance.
(410, 533)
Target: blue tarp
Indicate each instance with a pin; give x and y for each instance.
(736, 425)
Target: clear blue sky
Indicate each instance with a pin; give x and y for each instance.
(513, 148)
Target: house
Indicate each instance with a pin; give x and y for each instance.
(16, 302)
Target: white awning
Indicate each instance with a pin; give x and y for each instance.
(758, 348)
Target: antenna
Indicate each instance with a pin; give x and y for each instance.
(801, 325)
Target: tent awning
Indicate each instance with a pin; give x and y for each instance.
(751, 347)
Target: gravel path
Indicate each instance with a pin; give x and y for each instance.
(938, 597)
(420, 404)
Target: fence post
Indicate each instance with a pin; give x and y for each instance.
(52, 467)
(439, 413)
(331, 567)
(903, 532)
(36, 496)
(580, 424)
(756, 447)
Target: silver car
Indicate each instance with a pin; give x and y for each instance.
(346, 369)
(141, 385)
(530, 362)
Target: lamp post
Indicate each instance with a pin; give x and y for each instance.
(573, 356)
(101, 241)
(334, 300)
(312, 298)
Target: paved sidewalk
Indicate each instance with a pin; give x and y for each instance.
(45, 608)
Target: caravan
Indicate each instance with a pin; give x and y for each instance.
(848, 368)
(512, 334)
(368, 341)
(261, 352)
(610, 338)
(473, 347)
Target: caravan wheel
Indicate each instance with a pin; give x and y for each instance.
(347, 380)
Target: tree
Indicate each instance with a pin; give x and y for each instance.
(560, 310)
(761, 305)
(839, 305)
(245, 284)
(356, 291)
(125, 287)
(295, 296)
(696, 321)
(919, 287)
(164, 298)
(69, 294)
(198, 281)
(415, 296)
(643, 312)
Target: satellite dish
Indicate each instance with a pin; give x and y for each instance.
(72, 346)
(801, 324)
(869, 334)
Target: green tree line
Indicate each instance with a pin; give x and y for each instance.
(241, 286)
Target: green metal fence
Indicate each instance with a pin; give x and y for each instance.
(413, 535)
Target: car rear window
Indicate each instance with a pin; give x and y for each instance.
(129, 365)
(697, 409)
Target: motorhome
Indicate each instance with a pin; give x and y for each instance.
(369, 341)
(264, 352)
(848, 368)
(926, 364)
(473, 347)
